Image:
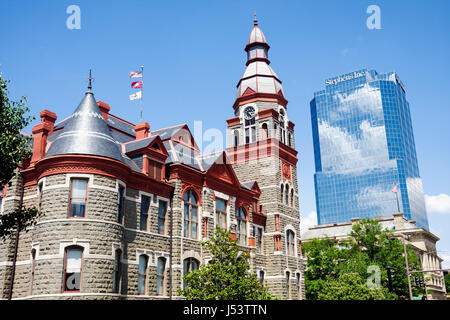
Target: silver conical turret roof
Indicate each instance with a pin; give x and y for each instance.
(86, 132)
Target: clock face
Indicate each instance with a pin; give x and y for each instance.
(249, 113)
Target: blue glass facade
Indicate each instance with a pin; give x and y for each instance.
(363, 147)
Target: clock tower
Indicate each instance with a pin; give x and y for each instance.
(261, 147)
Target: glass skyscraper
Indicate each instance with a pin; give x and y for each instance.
(363, 148)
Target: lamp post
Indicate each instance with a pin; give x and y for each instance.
(407, 268)
(408, 274)
(389, 279)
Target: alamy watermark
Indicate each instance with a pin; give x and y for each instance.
(374, 20)
(74, 20)
(374, 280)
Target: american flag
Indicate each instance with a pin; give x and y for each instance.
(136, 74)
(394, 190)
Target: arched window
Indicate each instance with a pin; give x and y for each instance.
(190, 214)
(145, 207)
(117, 270)
(282, 126)
(286, 196)
(72, 269)
(189, 265)
(261, 277)
(292, 197)
(33, 262)
(221, 213)
(162, 209)
(142, 277)
(288, 285)
(258, 232)
(282, 193)
(290, 243)
(160, 273)
(241, 229)
(120, 203)
(290, 140)
(265, 132)
(40, 187)
(236, 138)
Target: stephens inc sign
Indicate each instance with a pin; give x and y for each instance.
(344, 78)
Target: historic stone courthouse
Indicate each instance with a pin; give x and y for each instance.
(112, 191)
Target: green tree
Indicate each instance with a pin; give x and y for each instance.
(23, 218)
(14, 147)
(383, 249)
(226, 276)
(322, 258)
(351, 286)
(368, 245)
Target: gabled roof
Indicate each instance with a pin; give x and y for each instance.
(179, 134)
(138, 144)
(179, 153)
(207, 160)
(167, 133)
(221, 169)
(252, 185)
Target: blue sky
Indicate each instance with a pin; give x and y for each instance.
(193, 53)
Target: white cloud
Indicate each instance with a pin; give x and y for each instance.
(439, 203)
(352, 152)
(378, 196)
(364, 100)
(307, 222)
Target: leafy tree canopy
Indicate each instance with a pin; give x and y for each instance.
(368, 245)
(14, 147)
(226, 276)
(21, 217)
(351, 286)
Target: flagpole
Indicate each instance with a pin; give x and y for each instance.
(396, 197)
(142, 91)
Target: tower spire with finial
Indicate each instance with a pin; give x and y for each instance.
(90, 81)
(255, 21)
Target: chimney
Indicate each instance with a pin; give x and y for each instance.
(40, 134)
(104, 109)
(142, 130)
